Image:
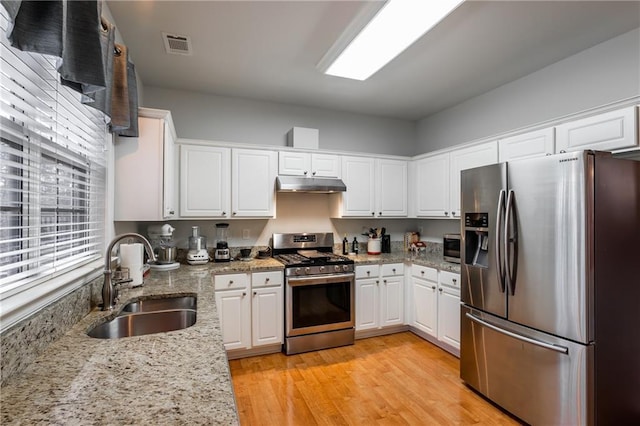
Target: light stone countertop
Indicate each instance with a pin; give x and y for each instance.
(180, 377)
(432, 260)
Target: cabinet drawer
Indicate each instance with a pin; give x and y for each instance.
(367, 271)
(268, 278)
(231, 281)
(425, 272)
(392, 269)
(450, 279)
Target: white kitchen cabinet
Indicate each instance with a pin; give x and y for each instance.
(204, 181)
(527, 145)
(375, 188)
(432, 186)
(424, 285)
(253, 176)
(605, 132)
(309, 164)
(144, 170)
(449, 308)
(379, 296)
(391, 188)
(468, 158)
(267, 308)
(234, 310)
(437, 178)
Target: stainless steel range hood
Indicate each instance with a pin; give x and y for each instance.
(309, 184)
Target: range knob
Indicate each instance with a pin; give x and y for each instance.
(322, 269)
(297, 271)
(336, 268)
(345, 268)
(307, 270)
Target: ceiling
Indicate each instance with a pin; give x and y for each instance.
(268, 50)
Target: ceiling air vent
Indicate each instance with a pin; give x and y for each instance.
(177, 44)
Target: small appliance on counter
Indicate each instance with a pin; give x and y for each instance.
(222, 247)
(197, 254)
(451, 247)
(161, 239)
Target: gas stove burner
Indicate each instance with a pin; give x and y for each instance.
(309, 254)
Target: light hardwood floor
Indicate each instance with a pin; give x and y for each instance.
(397, 379)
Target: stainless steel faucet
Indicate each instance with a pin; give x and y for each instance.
(109, 291)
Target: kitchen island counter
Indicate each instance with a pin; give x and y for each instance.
(180, 377)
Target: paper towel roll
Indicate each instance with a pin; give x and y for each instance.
(132, 256)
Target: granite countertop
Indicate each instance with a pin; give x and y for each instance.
(180, 377)
(433, 260)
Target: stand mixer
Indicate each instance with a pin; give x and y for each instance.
(161, 239)
(197, 254)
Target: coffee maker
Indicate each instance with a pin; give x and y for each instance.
(222, 247)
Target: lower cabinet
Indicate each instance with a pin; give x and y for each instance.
(435, 304)
(379, 296)
(250, 308)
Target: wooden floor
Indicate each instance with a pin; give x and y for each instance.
(397, 379)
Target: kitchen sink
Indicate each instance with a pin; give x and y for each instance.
(154, 305)
(140, 324)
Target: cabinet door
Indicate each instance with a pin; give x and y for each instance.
(367, 303)
(267, 315)
(234, 311)
(204, 181)
(468, 158)
(392, 301)
(432, 186)
(170, 162)
(253, 182)
(391, 183)
(325, 165)
(425, 306)
(138, 176)
(604, 132)
(358, 176)
(449, 316)
(527, 145)
(294, 163)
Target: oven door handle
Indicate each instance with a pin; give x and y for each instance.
(319, 279)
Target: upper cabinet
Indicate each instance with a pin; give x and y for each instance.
(219, 182)
(437, 178)
(253, 177)
(144, 170)
(309, 164)
(376, 187)
(532, 144)
(204, 181)
(605, 132)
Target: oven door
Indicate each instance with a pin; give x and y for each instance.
(319, 303)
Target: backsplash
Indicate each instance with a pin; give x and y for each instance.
(21, 344)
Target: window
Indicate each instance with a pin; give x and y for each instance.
(52, 173)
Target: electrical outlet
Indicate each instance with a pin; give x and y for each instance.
(245, 234)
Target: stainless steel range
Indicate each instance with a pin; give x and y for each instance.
(319, 292)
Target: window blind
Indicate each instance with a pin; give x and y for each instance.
(52, 172)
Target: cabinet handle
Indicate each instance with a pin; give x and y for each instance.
(244, 293)
(224, 213)
(368, 272)
(314, 173)
(267, 280)
(230, 282)
(453, 213)
(305, 172)
(422, 272)
(454, 280)
(255, 292)
(446, 213)
(440, 290)
(234, 213)
(377, 282)
(373, 213)
(172, 212)
(433, 287)
(384, 281)
(394, 270)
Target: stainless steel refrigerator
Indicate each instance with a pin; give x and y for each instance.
(550, 315)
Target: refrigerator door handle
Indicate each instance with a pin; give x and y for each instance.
(499, 226)
(511, 240)
(551, 346)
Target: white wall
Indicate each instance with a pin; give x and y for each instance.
(203, 116)
(597, 76)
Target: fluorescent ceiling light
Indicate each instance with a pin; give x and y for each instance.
(394, 28)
